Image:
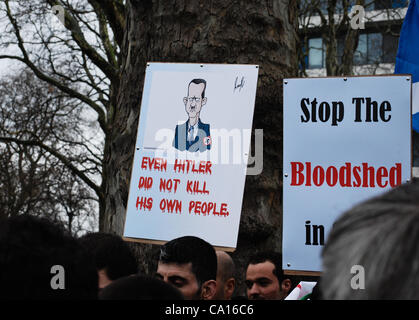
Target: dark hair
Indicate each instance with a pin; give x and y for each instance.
(29, 248)
(140, 288)
(316, 293)
(195, 250)
(199, 81)
(272, 257)
(379, 236)
(110, 253)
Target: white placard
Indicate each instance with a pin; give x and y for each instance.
(191, 154)
(345, 140)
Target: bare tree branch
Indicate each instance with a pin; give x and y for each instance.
(104, 35)
(59, 156)
(115, 14)
(43, 76)
(77, 34)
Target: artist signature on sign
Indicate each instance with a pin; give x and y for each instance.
(239, 85)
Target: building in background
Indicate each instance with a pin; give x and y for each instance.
(377, 43)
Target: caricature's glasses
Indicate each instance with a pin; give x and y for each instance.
(191, 99)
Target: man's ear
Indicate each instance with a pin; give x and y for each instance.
(103, 279)
(229, 288)
(204, 101)
(208, 290)
(185, 100)
(286, 285)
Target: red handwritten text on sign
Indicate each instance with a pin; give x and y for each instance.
(170, 185)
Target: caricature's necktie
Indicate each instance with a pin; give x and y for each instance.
(190, 133)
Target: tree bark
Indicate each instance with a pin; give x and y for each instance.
(240, 32)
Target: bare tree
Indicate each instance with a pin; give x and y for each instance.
(34, 118)
(79, 58)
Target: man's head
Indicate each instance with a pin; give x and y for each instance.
(265, 278)
(190, 264)
(196, 97)
(112, 256)
(39, 260)
(372, 249)
(226, 281)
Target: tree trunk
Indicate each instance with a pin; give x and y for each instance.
(244, 32)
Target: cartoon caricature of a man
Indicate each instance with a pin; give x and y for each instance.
(193, 135)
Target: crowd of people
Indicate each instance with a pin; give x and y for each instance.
(38, 259)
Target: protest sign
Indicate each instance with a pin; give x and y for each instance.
(191, 153)
(345, 140)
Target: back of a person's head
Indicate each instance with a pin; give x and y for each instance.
(193, 250)
(274, 257)
(111, 253)
(29, 249)
(138, 287)
(226, 268)
(376, 242)
(316, 293)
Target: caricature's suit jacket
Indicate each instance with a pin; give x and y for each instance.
(181, 142)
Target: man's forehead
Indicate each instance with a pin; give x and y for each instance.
(171, 269)
(258, 270)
